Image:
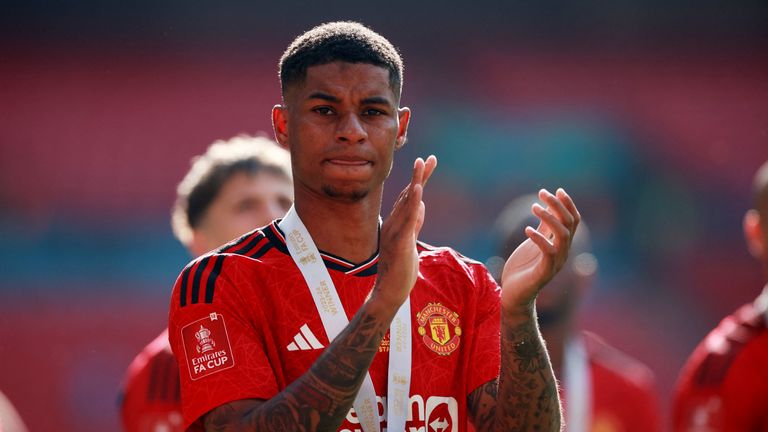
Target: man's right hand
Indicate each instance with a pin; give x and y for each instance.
(398, 258)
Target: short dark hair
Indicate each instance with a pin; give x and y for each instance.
(211, 170)
(345, 41)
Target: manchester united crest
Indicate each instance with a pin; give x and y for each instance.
(439, 328)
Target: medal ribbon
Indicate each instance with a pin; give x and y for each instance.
(307, 258)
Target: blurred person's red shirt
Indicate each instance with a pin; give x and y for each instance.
(151, 393)
(724, 384)
(623, 393)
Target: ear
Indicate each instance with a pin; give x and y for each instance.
(753, 233)
(280, 124)
(404, 115)
(584, 267)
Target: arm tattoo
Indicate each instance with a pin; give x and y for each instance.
(525, 395)
(318, 400)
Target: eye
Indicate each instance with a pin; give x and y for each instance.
(373, 112)
(323, 110)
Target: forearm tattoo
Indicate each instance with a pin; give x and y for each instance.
(318, 400)
(525, 397)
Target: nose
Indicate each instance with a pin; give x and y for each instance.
(350, 129)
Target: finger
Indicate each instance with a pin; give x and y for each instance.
(560, 234)
(429, 168)
(418, 171)
(557, 208)
(541, 241)
(412, 211)
(416, 175)
(569, 205)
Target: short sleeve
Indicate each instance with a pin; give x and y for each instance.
(150, 396)
(744, 391)
(485, 358)
(217, 338)
(694, 404)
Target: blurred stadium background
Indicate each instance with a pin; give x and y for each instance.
(654, 115)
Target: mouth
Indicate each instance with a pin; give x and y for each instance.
(344, 161)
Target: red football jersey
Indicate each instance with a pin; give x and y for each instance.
(623, 390)
(243, 324)
(151, 396)
(724, 384)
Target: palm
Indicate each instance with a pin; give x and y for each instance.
(525, 272)
(539, 257)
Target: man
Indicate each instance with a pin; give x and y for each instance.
(234, 186)
(724, 384)
(286, 337)
(603, 388)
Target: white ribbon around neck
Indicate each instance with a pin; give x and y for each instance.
(578, 386)
(307, 258)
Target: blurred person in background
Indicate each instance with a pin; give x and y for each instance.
(724, 384)
(10, 420)
(603, 388)
(234, 187)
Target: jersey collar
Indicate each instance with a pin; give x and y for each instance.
(332, 262)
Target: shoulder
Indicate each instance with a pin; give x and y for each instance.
(616, 365)
(157, 350)
(236, 263)
(156, 357)
(452, 271)
(713, 357)
(447, 257)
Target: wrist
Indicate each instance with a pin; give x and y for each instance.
(519, 313)
(382, 305)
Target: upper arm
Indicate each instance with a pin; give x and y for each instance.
(218, 340)
(481, 405)
(231, 416)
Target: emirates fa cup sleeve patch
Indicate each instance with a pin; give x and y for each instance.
(207, 348)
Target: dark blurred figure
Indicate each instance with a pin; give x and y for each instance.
(10, 420)
(236, 186)
(603, 389)
(724, 384)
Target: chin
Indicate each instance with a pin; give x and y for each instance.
(351, 195)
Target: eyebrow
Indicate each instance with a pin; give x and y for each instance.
(373, 100)
(324, 96)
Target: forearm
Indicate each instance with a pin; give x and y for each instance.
(320, 399)
(527, 391)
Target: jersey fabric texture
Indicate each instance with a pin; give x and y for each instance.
(623, 390)
(243, 324)
(150, 399)
(724, 384)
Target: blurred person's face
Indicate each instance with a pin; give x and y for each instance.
(559, 299)
(245, 202)
(756, 233)
(341, 125)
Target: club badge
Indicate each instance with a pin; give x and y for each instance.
(439, 328)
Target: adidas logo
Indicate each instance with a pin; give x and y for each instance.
(304, 340)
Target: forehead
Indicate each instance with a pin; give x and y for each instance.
(345, 79)
(245, 182)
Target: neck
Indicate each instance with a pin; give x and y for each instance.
(346, 229)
